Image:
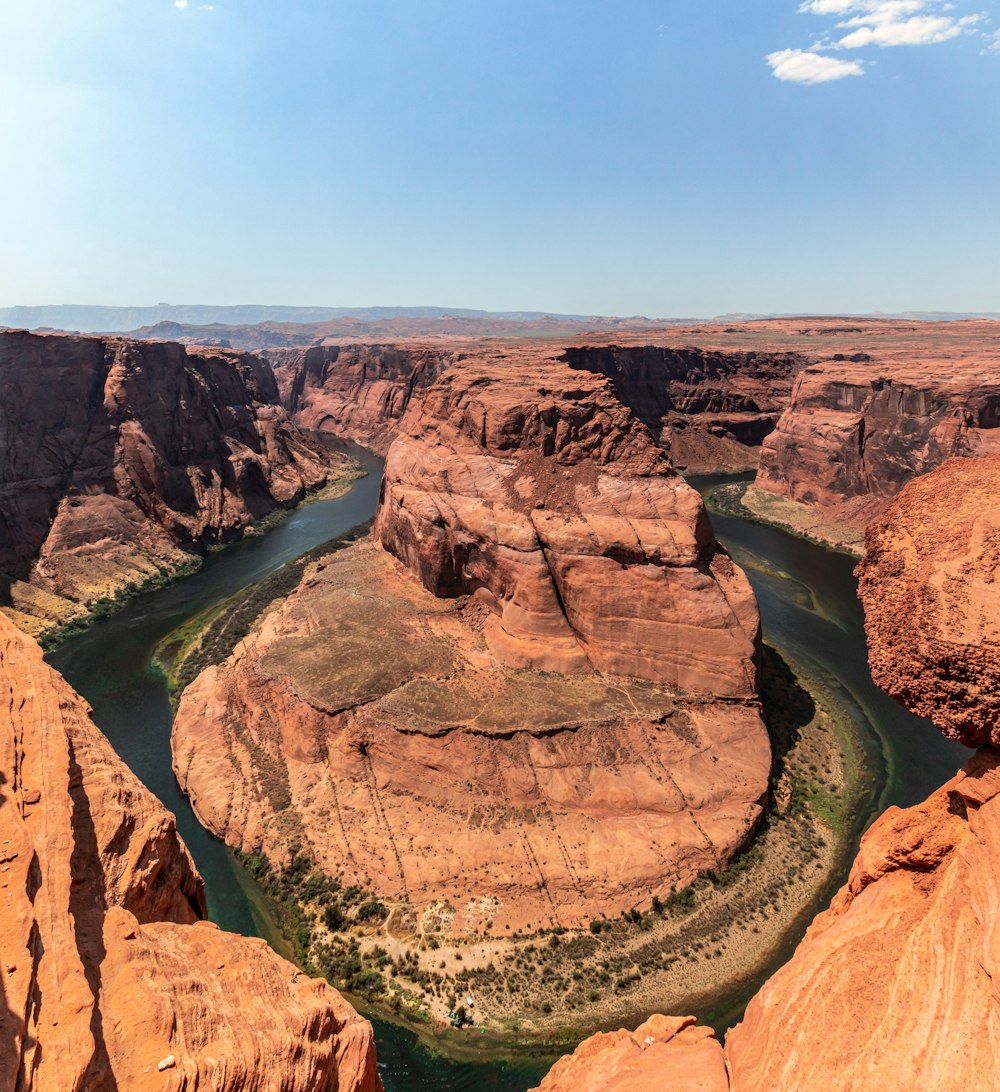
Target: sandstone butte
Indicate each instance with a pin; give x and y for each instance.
(122, 456)
(108, 971)
(530, 699)
(895, 986)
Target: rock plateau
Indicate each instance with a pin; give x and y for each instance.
(109, 976)
(531, 696)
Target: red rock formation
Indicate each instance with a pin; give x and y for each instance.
(479, 740)
(535, 489)
(108, 978)
(930, 586)
(122, 455)
(356, 391)
(710, 408)
(861, 425)
(895, 986)
(665, 1054)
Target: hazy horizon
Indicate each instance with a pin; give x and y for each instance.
(664, 158)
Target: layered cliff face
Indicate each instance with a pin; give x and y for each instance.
(858, 428)
(357, 391)
(535, 490)
(895, 986)
(122, 456)
(518, 724)
(109, 977)
(710, 408)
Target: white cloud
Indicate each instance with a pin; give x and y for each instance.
(802, 66)
(180, 3)
(879, 23)
(992, 43)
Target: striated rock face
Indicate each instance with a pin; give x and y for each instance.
(508, 715)
(858, 429)
(929, 581)
(122, 455)
(534, 489)
(710, 408)
(356, 391)
(106, 969)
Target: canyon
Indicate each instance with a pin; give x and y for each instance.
(110, 976)
(124, 460)
(894, 985)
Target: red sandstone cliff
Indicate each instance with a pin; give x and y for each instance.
(860, 426)
(108, 976)
(521, 721)
(357, 391)
(895, 986)
(119, 456)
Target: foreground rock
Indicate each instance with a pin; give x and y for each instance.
(894, 987)
(887, 407)
(501, 715)
(124, 457)
(932, 599)
(110, 979)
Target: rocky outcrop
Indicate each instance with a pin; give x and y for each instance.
(895, 986)
(710, 408)
(859, 427)
(535, 699)
(533, 488)
(356, 391)
(108, 976)
(930, 586)
(121, 457)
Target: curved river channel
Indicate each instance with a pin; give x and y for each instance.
(809, 608)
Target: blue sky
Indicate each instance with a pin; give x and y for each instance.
(662, 157)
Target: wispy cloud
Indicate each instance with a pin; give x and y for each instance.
(992, 44)
(803, 66)
(881, 23)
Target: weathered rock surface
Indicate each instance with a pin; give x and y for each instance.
(710, 408)
(106, 969)
(863, 423)
(120, 456)
(530, 729)
(535, 489)
(356, 391)
(895, 986)
(665, 1054)
(930, 581)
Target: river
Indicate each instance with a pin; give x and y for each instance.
(808, 605)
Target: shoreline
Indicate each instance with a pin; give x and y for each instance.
(58, 634)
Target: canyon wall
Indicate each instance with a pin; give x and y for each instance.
(121, 457)
(356, 391)
(859, 427)
(710, 408)
(109, 976)
(532, 696)
(893, 987)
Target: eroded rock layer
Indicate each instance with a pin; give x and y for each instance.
(110, 979)
(356, 391)
(860, 425)
(119, 456)
(536, 699)
(534, 489)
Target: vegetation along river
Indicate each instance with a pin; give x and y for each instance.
(810, 611)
